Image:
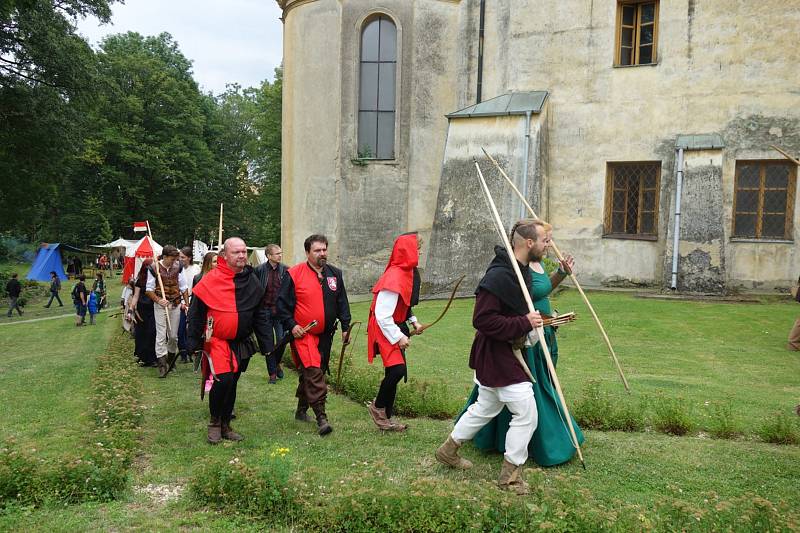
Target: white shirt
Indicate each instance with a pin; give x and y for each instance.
(188, 275)
(384, 309)
(151, 280)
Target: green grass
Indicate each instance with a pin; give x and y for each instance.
(45, 373)
(702, 352)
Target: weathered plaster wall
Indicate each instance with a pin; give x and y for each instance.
(364, 207)
(311, 124)
(723, 67)
(715, 69)
(701, 244)
(463, 234)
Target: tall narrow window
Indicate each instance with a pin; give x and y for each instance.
(376, 101)
(764, 199)
(637, 32)
(632, 200)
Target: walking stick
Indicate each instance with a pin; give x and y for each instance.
(571, 275)
(539, 329)
(171, 342)
(344, 347)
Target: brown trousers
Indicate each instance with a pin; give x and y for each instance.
(312, 387)
(794, 337)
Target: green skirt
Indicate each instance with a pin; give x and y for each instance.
(551, 443)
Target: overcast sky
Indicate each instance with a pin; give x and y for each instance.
(227, 40)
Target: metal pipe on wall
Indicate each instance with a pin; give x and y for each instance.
(677, 229)
(480, 51)
(525, 159)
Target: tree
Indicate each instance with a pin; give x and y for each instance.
(46, 73)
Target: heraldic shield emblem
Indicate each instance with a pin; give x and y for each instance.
(332, 283)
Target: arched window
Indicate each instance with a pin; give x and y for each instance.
(376, 100)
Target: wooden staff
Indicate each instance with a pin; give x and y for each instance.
(784, 154)
(539, 330)
(571, 275)
(160, 283)
(219, 235)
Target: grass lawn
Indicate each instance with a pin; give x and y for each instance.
(703, 352)
(45, 371)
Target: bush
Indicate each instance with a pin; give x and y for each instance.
(672, 415)
(780, 429)
(723, 423)
(265, 490)
(597, 409)
(415, 398)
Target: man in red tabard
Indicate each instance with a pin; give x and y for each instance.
(224, 313)
(313, 290)
(396, 292)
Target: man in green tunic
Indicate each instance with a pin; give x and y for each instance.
(551, 443)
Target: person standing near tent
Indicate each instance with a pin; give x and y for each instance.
(270, 275)
(169, 293)
(80, 297)
(55, 286)
(13, 289)
(99, 288)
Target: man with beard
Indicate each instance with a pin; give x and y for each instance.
(552, 442)
(396, 292)
(313, 291)
(503, 322)
(224, 313)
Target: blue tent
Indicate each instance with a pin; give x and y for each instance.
(48, 259)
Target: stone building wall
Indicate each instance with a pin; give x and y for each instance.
(723, 67)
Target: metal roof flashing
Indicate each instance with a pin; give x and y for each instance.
(519, 103)
(706, 141)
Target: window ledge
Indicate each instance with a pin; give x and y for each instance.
(625, 236)
(640, 65)
(762, 241)
(365, 162)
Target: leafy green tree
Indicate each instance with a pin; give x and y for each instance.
(46, 73)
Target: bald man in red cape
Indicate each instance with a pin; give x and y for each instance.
(224, 313)
(395, 293)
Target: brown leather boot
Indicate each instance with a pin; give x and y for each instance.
(228, 433)
(447, 454)
(511, 478)
(215, 430)
(396, 425)
(163, 369)
(301, 413)
(378, 415)
(323, 427)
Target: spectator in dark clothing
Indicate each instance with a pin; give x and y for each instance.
(80, 297)
(13, 289)
(55, 286)
(270, 275)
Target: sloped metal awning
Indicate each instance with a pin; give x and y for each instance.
(506, 104)
(705, 141)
